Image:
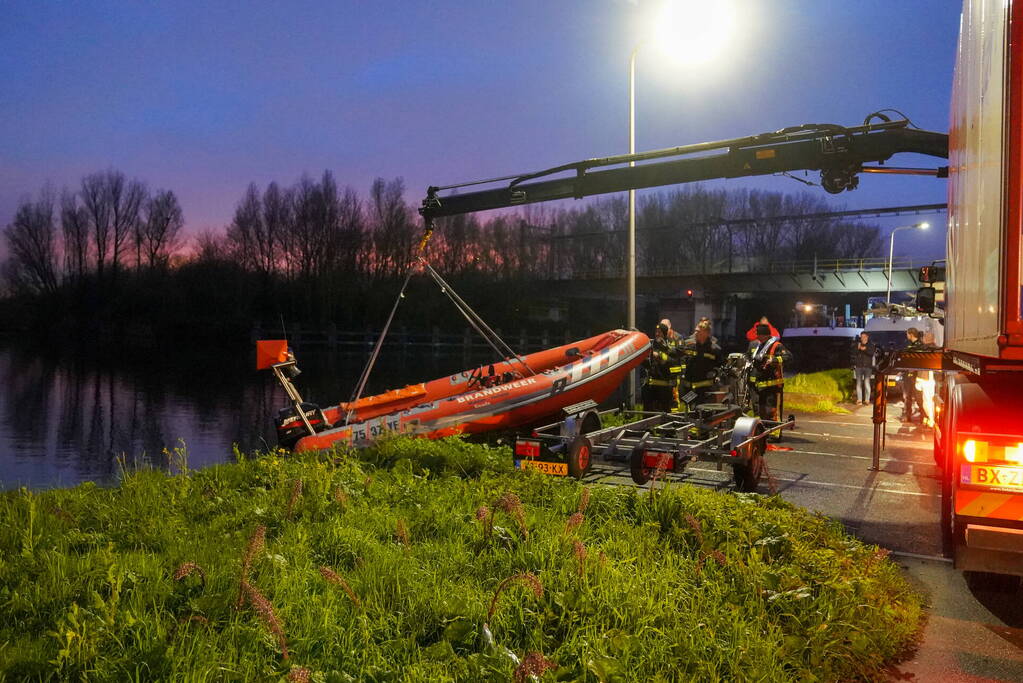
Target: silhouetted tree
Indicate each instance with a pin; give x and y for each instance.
(159, 228)
(74, 223)
(32, 246)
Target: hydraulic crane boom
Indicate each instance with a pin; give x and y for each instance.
(838, 152)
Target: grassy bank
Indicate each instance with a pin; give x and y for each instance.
(820, 392)
(428, 561)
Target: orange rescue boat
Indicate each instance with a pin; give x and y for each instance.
(516, 392)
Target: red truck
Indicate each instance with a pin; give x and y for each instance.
(978, 435)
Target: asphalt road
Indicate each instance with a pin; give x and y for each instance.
(975, 629)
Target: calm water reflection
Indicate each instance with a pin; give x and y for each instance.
(68, 419)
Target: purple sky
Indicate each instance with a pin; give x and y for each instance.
(203, 98)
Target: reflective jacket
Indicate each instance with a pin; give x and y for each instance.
(663, 363)
(700, 360)
(768, 360)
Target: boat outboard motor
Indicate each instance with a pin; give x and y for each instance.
(291, 428)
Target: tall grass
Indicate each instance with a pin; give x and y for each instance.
(820, 392)
(688, 584)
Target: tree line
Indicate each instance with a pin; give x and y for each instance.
(112, 253)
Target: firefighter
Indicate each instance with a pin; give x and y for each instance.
(675, 344)
(702, 357)
(766, 378)
(657, 392)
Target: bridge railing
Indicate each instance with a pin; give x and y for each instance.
(758, 266)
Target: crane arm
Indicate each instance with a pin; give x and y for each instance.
(838, 152)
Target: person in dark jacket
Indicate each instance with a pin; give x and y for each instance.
(910, 395)
(863, 366)
(662, 368)
(702, 357)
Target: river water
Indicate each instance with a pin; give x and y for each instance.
(67, 418)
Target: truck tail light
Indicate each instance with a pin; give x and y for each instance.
(978, 450)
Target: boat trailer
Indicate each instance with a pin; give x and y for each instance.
(651, 443)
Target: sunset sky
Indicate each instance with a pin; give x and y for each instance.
(203, 98)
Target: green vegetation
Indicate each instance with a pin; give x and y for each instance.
(820, 392)
(430, 561)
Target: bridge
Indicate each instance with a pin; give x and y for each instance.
(807, 276)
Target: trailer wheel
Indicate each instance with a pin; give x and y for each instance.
(591, 423)
(580, 455)
(640, 473)
(747, 475)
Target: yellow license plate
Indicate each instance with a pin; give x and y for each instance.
(556, 468)
(1007, 478)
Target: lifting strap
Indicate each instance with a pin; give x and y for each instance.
(477, 323)
(361, 384)
(491, 337)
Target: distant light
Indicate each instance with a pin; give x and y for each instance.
(808, 308)
(923, 226)
(694, 32)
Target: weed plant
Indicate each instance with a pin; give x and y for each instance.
(433, 561)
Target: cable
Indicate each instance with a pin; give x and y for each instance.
(880, 115)
(475, 320)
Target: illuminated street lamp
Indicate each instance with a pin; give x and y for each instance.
(706, 27)
(891, 252)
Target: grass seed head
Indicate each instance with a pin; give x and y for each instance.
(334, 578)
(574, 522)
(340, 497)
(255, 545)
(512, 505)
(266, 612)
(402, 533)
(694, 524)
(296, 493)
(533, 664)
(525, 578)
(299, 674)
(188, 568)
(583, 501)
(580, 555)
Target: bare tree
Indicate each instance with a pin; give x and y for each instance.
(159, 227)
(74, 223)
(32, 245)
(393, 229)
(243, 235)
(97, 211)
(112, 204)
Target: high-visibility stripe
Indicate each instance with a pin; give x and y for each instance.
(697, 385)
(659, 382)
(675, 368)
(973, 503)
(770, 383)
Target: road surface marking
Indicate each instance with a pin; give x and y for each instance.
(919, 445)
(861, 457)
(875, 488)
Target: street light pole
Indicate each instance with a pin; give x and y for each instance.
(631, 256)
(891, 253)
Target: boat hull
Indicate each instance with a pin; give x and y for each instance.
(588, 369)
